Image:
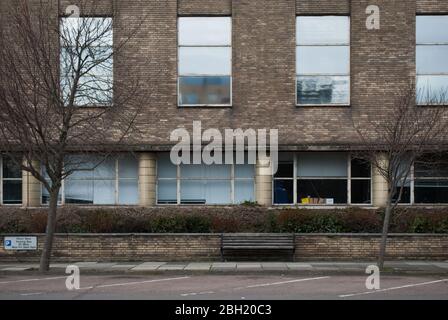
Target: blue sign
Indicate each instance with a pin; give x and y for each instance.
(8, 243)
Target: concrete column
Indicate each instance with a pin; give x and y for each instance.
(147, 179)
(263, 181)
(379, 184)
(31, 189)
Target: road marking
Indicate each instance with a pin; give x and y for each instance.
(278, 283)
(31, 294)
(393, 288)
(196, 293)
(29, 280)
(132, 283)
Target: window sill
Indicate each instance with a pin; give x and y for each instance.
(204, 106)
(323, 105)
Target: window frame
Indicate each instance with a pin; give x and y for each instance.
(297, 75)
(437, 74)
(2, 179)
(116, 180)
(349, 178)
(179, 76)
(178, 179)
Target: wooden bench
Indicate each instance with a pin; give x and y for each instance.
(257, 247)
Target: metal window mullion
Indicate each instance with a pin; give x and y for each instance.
(117, 181)
(1, 179)
(178, 185)
(412, 196)
(232, 183)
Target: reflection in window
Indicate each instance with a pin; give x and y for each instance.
(431, 179)
(322, 60)
(205, 61)
(432, 62)
(203, 184)
(360, 182)
(11, 176)
(100, 181)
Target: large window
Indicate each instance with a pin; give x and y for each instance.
(203, 184)
(87, 50)
(321, 178)
(323, 60)
(431, 180)
(100, 181)
(11, 182)
(205, 61)
(432, 61)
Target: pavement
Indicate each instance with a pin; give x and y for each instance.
(95, 267)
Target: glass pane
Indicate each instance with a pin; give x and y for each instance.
(244, 171)
(203, 171)
(323, 30)
(165, 168)
(431, 191)
(283, 191)
(128, 192)
(205, 192)
(205, 30)
(244, 191)
(104, 192)
(360, 191)
(98, 31)
(79, 191)
(167, 192)
(205, 61)
(322, 191)
(323, 90)
(432, 89)
(12, 192)
(105, 169)
(128, 167)
(405, 197)
(432, 29)
(432, 59)
(431, 166)
(46, 196)
(360, 168)
(322, 164)
(323, 60)
(204, 90)
(10, 169)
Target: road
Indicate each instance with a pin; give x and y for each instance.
(231, 287)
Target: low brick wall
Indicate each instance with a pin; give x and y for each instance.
(206, 247)
(350, 246)
(124, 247)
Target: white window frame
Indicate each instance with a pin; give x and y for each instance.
(325, 74)
(349, 178)
(179, 179)
(179, 46)
(116, 180)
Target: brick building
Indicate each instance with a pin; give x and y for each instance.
(300, 66)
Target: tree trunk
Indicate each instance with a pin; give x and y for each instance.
(50, 230)
(383, 243)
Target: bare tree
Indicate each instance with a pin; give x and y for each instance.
(58, 95)
(395, 140)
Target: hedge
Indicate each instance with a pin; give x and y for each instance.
(222, 219)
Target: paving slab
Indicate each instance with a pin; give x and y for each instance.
(167, 267)
(299, 266)
(148, 266)
(248, 267)
(198, 266)
(223, 266)
(274, 266)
